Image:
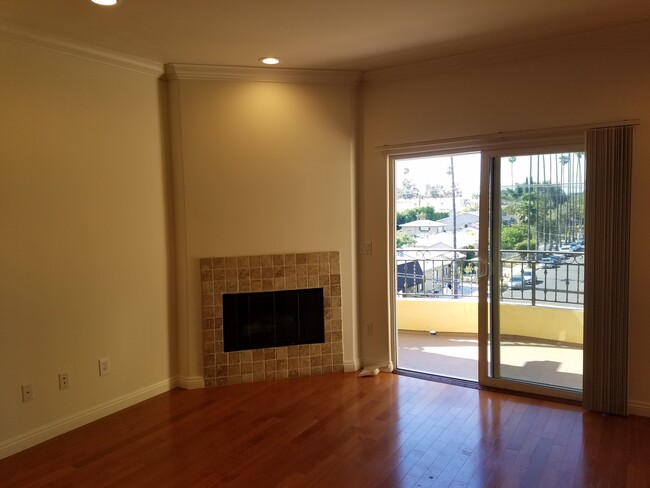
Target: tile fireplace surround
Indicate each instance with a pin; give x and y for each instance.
(270, 273)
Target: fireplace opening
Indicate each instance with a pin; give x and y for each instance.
(273, 319)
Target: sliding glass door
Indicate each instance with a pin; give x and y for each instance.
(533, 297)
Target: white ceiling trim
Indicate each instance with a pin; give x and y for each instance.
(585, 40)
(275, 75)
(81, 50)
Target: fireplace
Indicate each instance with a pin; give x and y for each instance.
(233, 276)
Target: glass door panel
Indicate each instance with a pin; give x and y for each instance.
(537, 277)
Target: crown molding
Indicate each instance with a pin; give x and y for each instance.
(73, 48)
(275, 75)
(573, 42)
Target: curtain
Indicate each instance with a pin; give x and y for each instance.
(607, 230)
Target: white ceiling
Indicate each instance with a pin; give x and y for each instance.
(316, 34)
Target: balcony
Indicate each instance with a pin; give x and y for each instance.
(541, 315)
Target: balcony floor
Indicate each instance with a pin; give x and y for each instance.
(456, 356)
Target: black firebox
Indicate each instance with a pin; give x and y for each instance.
(273, 319)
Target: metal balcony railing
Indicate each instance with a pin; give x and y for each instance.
(532, 277)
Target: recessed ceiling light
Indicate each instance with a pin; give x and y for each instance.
(269, 60)
(104, 2)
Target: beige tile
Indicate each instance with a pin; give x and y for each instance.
(324, 280)
(269, 353)
(338, 368)
(337, 359)
(243, 274)
(218, 299)
(304, 350)
(335, 263)
(327, 369)
(312, 258)
(293, 363)
(257, 377)
(219, 274)
(316, 370)
(247, 378)
(278, 272)
(313, 270)
(337, 347)
(337, 336)
(218, 321)
(327, 359)
(258, 354)
(278, 260)
(315, 361)
(234, 369)
(218, 335)
(258, 367)
(231, 263)
(267, 261)
(326, 348)
(207, 324)
(269, 365)
(324, 258)
(246, 368)
(282, 374)
(207, 312)
(324, 269)
(268, 285)
(302, 282)
(267, 272)
(234, 357)
(281, 353)
(327, 291)
(301, 270)
(293, 373)
(232, 274)
(207, 287)
(336, 302)
(336, 290)
(256, 261)
(206, 275)
(218, 263)
(256, 273)
(205, 263)
(232, 286)
(304, 372)
(293, 351)
(290, 283)
(218, 315)
(243, 262)
(270, 376)
(301, 258)
(281, 364)
(244, 285)
(335, 279)
(290, 271)
(221, 358)
(208, 360)
(313, 281)
(280, 284)
(289, 259)
(314, 349)
(305, 362)
(246, 356)
(256, 285)
(219, 286)
(222, 381)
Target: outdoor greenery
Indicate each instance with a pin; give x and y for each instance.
(402, 239)
(549, 213)
(419, 213)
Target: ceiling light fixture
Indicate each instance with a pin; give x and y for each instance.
(269, 60)
(104, 2)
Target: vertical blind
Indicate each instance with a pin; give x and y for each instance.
(607, 256)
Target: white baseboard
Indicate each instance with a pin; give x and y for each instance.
(350, 366)
(58, 427)
(190, 382)
(635, 407)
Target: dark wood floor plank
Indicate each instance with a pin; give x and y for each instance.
(339, 430)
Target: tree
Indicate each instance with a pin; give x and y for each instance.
(402, 239)
(412, 214)
(408, 190)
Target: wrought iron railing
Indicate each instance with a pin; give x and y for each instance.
(525, 276)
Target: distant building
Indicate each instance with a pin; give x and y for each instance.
(422, 228)
(464, 220)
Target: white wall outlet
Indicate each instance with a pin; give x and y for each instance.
(104, 366)
(64, 381)
(368, 326)
(28, 393)
(365, 247)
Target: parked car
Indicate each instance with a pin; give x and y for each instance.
(550, 262)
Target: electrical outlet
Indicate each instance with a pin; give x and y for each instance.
(28, 393)
(104, 366)
(366, 247)
(64, 381)
(369, 328)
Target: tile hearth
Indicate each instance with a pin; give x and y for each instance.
(270, 273)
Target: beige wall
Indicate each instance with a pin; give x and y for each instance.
(461, 316)
(576, 87)
(83, 245)
(261, 168)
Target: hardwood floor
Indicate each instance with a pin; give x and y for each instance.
(342, 431)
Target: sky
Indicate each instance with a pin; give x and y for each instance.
(467, 170)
